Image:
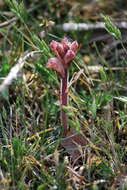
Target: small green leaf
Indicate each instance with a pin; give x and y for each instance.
(103, 75)
(18, 9)
(67, 110)
(75, 124)
(111, 28)
(42, 187)
(93, 108)
(41, 45)
(18, 147)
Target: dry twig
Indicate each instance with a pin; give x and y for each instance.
(15, 70)
(8, 22)
(88, 26)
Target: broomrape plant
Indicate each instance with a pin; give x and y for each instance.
(65, 52)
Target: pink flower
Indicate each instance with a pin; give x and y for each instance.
(66, 44)
(65, 52)
(74, 46)
(55, 64)
(69, 56)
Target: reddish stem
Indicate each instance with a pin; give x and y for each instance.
(64, 101)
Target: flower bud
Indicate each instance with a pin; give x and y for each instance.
(56, 65)
(74, 46)
(65, 44)
(70, 55)
(53, 46)
(60, 50)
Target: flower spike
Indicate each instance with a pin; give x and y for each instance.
(65, 52)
